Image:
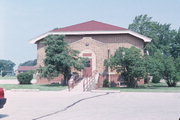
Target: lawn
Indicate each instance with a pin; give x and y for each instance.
(158, 87)
(32, 86)
(8, 78)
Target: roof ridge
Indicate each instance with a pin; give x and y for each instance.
(78, 24)
(91, 25)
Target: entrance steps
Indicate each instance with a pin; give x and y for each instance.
(78, 87)
(86, 84)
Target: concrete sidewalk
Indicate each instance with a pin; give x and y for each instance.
(13, 81)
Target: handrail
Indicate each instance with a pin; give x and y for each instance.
(90, 82)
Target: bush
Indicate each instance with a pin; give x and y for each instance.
(177, 77)
(25, 78)
(4, 74)
(156, 79)
(106, 83)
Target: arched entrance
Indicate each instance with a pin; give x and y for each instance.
(90, 65)
(87, 71)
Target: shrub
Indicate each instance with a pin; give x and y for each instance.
(4, 73)
(106, 83)
(25, 78)
(156, 79)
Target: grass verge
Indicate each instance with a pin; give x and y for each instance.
(158, 87)
(32, 86)
(8, 78)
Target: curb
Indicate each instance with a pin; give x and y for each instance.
(105, 91)
(24, 90)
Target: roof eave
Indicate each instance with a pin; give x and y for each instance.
(146, 39)
(34, 40)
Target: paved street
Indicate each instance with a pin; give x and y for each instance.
(90, 106)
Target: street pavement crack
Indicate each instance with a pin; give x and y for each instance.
(69, 106)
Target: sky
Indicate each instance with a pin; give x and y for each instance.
(23, 20)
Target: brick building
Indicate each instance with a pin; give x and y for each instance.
(96, 41)
(22, 69)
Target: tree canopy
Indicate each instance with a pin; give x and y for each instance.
(163, 60)
(6, 66)
(164, 49)
(29, 63)
(60, 58)
(130, 63)
(162, 35)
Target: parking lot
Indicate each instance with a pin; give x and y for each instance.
(64, 105)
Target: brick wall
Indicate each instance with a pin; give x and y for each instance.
(58, 79)
(97, 45)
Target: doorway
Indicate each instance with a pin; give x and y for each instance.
(87, 72)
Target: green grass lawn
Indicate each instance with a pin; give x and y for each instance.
(8, 78)
(158, 87)
(32, 86)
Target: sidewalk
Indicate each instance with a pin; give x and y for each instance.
(13, 81)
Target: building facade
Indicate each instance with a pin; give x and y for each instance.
(22, 69)
(95, 41)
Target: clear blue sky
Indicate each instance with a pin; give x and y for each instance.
(22, 20)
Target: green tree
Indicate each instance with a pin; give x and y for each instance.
(175, 46)
(164, 48)
(162, 66)
(60, 58)
(6, 66)
(154, 66)
(130, 63)
(170, 73)
(1, 66)
(29, 63)
(25, 78)
(162, 35)
(144, 25)
(177, 65)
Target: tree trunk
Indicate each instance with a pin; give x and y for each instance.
(132, 83)
(171, 83)
(67, 75)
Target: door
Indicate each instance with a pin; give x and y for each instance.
(87, 72)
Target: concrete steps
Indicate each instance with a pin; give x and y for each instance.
(78, 87)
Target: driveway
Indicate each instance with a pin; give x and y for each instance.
(63, 105)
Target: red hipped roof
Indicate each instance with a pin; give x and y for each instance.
(26, 68)
(90, 26)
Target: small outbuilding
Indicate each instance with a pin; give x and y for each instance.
(22, 69)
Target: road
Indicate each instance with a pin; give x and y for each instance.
(63, 105)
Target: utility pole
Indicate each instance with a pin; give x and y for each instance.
(109, 70)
